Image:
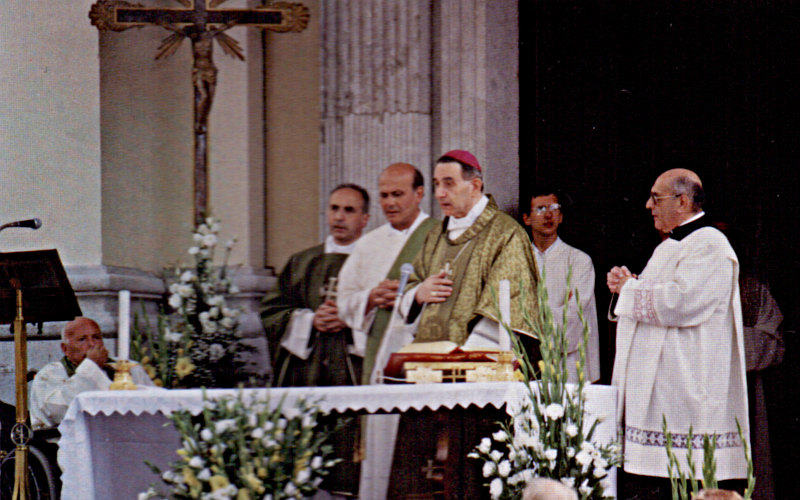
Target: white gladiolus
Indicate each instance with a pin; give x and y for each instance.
(554, 411)
(485, 446)
(504, 468)
(175, 301)
(551, 454)
(571, 430)
(489, 468)
(209, 240)
(569, 482)
(500, 436)
(496, 488)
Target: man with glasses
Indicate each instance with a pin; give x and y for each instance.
(680, 350)
(554, 259)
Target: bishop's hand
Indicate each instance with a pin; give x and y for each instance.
(434, 289)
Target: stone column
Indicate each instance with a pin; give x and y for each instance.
(407, 81)
(476, 88)
(376, 90)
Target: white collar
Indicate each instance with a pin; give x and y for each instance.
(332, 247)
(693, 218)
(549, 249)
(469, 219)
(421, 216)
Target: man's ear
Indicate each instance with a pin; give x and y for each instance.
(526, 219)
(419, 192)
(63, 347)
(477, 184)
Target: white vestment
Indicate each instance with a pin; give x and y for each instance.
(52, 391)
(680, 355)
(555, 263)
(368, 265)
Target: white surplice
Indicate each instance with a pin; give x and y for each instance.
(368, 265)
(555, 263)
(52, 390)
(680, 355)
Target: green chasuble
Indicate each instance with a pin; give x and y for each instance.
(301, 285)
(495, 247)
(383, 316)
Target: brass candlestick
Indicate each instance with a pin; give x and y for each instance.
(123, 381)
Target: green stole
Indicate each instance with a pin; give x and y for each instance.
(70, 367)
(383, 316)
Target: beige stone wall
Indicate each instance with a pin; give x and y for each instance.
(292, 91)
(49, 130)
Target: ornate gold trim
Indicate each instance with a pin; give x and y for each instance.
(103, 14)
(295, 17)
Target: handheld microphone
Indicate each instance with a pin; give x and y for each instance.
(405, 271)
(35, 223)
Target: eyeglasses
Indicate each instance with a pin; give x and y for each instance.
(654, 197)
(553, 207)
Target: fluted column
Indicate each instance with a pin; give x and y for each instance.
(376, 91)
(476, 88)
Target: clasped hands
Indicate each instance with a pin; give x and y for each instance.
(617, 277)
(326, 318)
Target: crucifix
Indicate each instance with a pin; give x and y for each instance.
(202, 22)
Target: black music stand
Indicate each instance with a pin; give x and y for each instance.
(33, 289)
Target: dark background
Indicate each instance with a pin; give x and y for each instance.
(615, 92)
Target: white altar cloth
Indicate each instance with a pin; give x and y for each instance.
(106, 436)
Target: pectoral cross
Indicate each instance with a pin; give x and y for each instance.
(201, 22)
(328, 291)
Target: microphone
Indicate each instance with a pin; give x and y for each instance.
(34, 223)
(405, 271)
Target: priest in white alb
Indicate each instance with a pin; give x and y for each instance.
(680, 351)
(368, 280)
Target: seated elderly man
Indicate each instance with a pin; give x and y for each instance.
(84, 367)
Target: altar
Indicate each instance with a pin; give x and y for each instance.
(106, 436)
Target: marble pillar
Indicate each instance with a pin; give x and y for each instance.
(407, 81)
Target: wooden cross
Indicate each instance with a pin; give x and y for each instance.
(201, 22)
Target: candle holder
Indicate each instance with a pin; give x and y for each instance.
(123, 381)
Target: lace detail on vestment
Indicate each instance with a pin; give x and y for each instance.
(657, 438)
(644, 309)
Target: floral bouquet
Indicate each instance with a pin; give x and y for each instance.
(550, 435)
(243, 448)
(196, 344)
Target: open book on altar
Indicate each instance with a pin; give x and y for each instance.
(446, 361)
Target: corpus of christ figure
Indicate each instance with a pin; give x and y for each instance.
(202, 22)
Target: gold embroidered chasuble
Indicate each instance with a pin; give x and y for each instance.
(495, 247)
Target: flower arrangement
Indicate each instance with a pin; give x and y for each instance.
(550, 435)
(196, 343)
(244, 448)
(681, 484)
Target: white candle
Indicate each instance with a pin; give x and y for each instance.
(504, 297)
(124, 335)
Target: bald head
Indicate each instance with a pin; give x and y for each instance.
(401, 188)
(82, 337)
(404, 170)
(684, 181)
